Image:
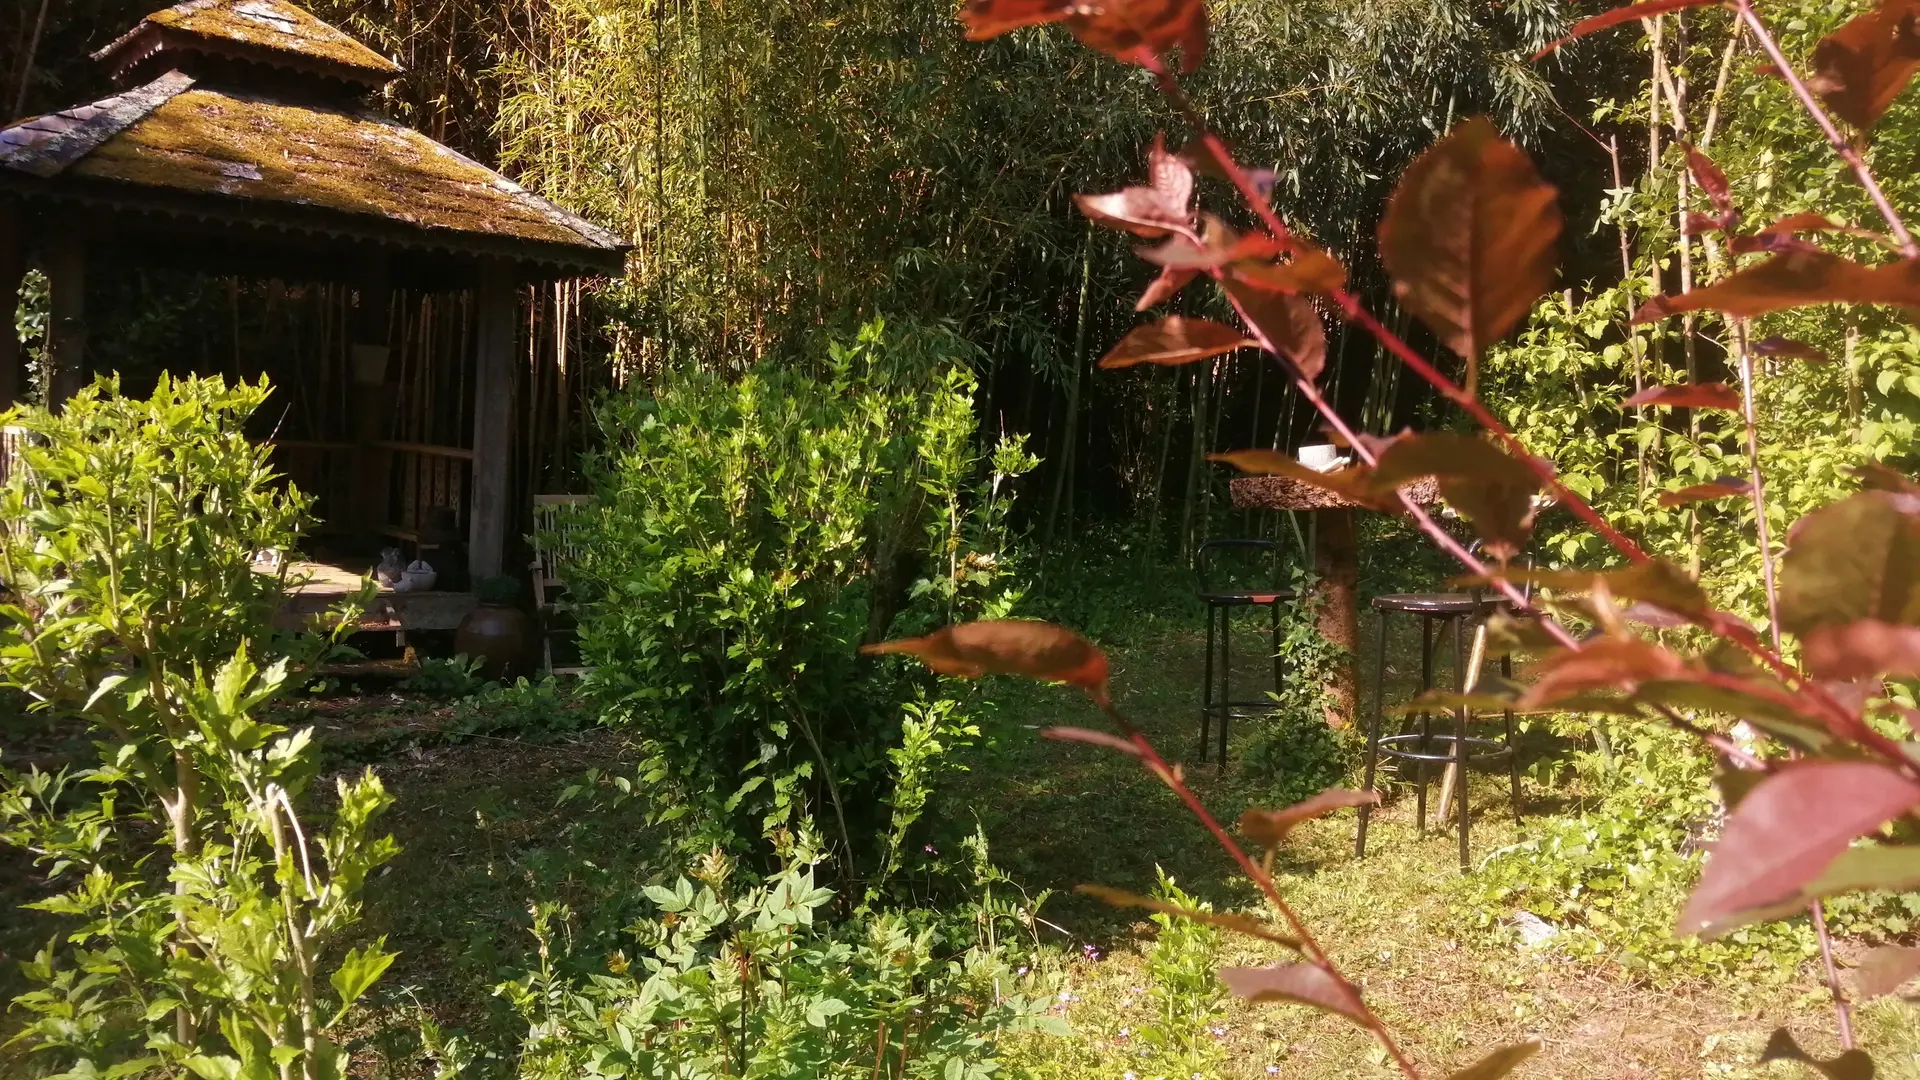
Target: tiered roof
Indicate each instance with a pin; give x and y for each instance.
(198, 142)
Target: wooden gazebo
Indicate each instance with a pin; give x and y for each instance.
(240, 143)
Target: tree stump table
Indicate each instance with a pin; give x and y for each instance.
(1336, 561)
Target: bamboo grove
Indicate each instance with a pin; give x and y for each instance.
(788, 167)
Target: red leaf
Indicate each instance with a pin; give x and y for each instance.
(1783, 235)
(1036, 650)
(1287, 325)
(1162, 289)
(1119, 28)
(991, 18)
(1151, 211)
(1354, 484)
(1304, 983)
(1609, 663)
(1309, 271)
(1239, 924)
(1855, 559)
(1468, 238)
(1860, 68)
(1688, 396)
(1713, 182)
(1696, 224)
(1804, 221)
(1787, 830)
(1174, 340)
(1491, 489)
(1877, 477)
(1222, 245)
(1091, 738)
(1885, 970)
(1779, 243)
(1631, 13)
(1656, 581)
(1269, 827)
(1712, 489)
(1794, 279)
(1499, 1063)
(1868, 647)
(1786, 347)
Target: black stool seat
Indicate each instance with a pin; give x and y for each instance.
(1247, 599)
(1438, 603)
(1218, 706)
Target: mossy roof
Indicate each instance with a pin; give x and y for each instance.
(175, 138)
(262, 29)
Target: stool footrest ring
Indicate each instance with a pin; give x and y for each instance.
(1478, 749)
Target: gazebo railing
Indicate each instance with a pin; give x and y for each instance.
(12, 438)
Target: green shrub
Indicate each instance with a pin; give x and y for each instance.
(747, 536)
(134, 607)
(1294, 752)
(1186, 995)
(1612, 880)
(750, 982)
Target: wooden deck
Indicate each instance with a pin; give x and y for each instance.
(325, 584)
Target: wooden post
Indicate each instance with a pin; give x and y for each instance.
(488, 512)
(13, 267)
(66, 268)
(372, 395)
(1336, 559)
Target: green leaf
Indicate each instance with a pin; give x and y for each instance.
(823, 1009)
(213, 1068)
(360, 969)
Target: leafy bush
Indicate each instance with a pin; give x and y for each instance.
(134, 607)
(746, 538)
(454, 676)
(745, 982)
(1186, 996)
(1612, 880)
(1294, 751)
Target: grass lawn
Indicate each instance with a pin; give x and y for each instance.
(1063, 814)
(485, 832)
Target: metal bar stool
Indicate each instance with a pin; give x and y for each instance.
(1221, 603)
(1454, 611)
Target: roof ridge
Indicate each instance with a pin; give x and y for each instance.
(303, 34)
(50, 156)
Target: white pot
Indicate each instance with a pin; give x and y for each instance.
(418, 577)
(1322, 457)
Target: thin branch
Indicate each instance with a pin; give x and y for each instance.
(1841, 146)
(1309, 946)
(1757, 492)
(1838, 718)
(1842, 1009)
(1351, 307)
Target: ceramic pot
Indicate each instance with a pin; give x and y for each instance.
(498, 635)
